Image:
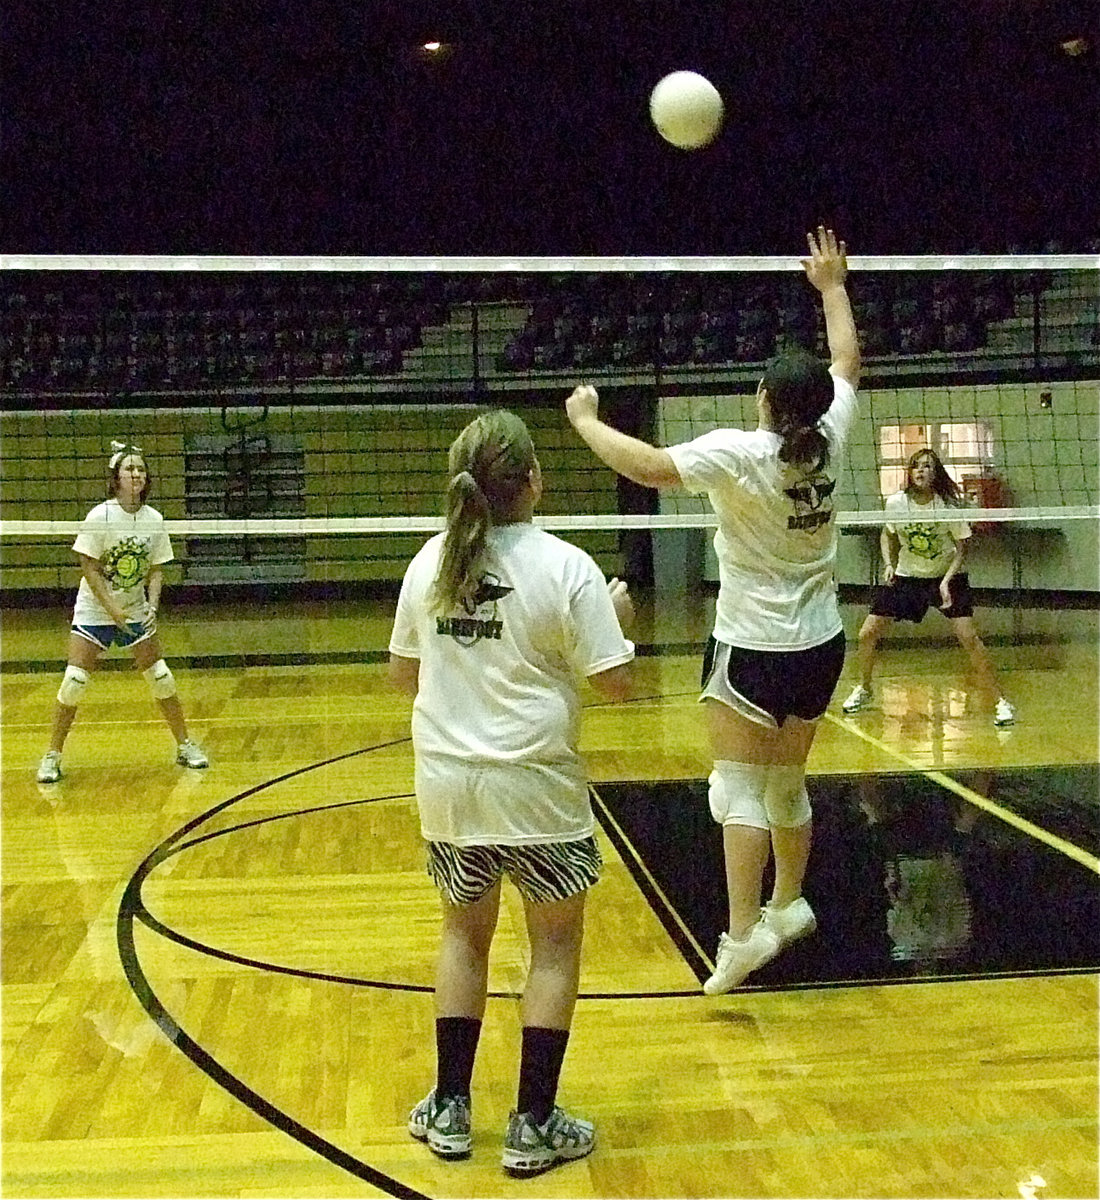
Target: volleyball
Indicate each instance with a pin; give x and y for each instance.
(686, 109)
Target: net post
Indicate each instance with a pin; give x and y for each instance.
(679, 558)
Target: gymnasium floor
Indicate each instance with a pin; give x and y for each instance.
(219, 983)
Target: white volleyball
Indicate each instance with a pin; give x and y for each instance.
(686, 109)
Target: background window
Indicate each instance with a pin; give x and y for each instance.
(964, 447)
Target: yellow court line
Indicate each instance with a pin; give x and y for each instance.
(977, 799)
(650, 880)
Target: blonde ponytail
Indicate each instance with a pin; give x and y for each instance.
(490, 462)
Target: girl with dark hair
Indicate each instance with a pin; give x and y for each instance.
(497, 623)
(922, 565)
(122, 545)
(778, 643)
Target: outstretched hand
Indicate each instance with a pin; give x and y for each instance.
(583, 402)
(827, 264)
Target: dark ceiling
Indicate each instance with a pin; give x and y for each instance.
(322, 128)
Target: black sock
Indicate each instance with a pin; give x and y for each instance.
(539, 1069)
(455, 1047)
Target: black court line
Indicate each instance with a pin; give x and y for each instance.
(909, 882)
(649, 887)
(205, 662)
(178, 846)
(619, 820)
(236, 1087)
(313, 658)
(132, 908)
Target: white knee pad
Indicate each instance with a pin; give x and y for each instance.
(737, 794)
(72, 686)
(161, 681)
(785, 798)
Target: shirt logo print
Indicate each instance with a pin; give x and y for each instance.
(468, 631)
(126, 563)
(922, 541)
(813, 503)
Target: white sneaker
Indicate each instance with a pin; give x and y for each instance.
(1004, 713)
(738, 959)
(49, 769)
(190, 755)
(791, 922)
(860, 698)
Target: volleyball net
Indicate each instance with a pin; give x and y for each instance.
(296, 413)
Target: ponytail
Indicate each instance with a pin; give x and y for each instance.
(804, 445)
(799, 390)
(468, 521)
(491, 462)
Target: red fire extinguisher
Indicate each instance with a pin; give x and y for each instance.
(984, 491)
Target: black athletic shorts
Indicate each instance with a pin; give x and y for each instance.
(906, 598)
(771, 685)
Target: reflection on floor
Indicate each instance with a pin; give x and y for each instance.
(908, 880)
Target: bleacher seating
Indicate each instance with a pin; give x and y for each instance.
(686, 321)
(151, 333)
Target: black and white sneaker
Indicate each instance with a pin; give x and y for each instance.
(443, 1124)
(531, 1148)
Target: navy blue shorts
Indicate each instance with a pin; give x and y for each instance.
(906, 598)
(768, 686)
(106, 636)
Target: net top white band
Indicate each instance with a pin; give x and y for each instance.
(536, 263)
(303, 526)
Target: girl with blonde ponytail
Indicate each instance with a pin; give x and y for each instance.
(492, 462)
(497, 623)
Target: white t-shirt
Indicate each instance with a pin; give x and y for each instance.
(128, 546)
(499, 686)
(926, 547)
(776, 538)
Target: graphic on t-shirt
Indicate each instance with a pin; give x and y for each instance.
(126, 563)
(482, 621)
(922, 541)
(813, 504)
(490, 588)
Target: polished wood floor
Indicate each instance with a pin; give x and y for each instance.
(274, 917)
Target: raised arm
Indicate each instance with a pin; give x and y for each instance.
(637, 460)
(827, 269)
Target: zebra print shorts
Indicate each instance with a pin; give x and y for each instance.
(543, 872)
